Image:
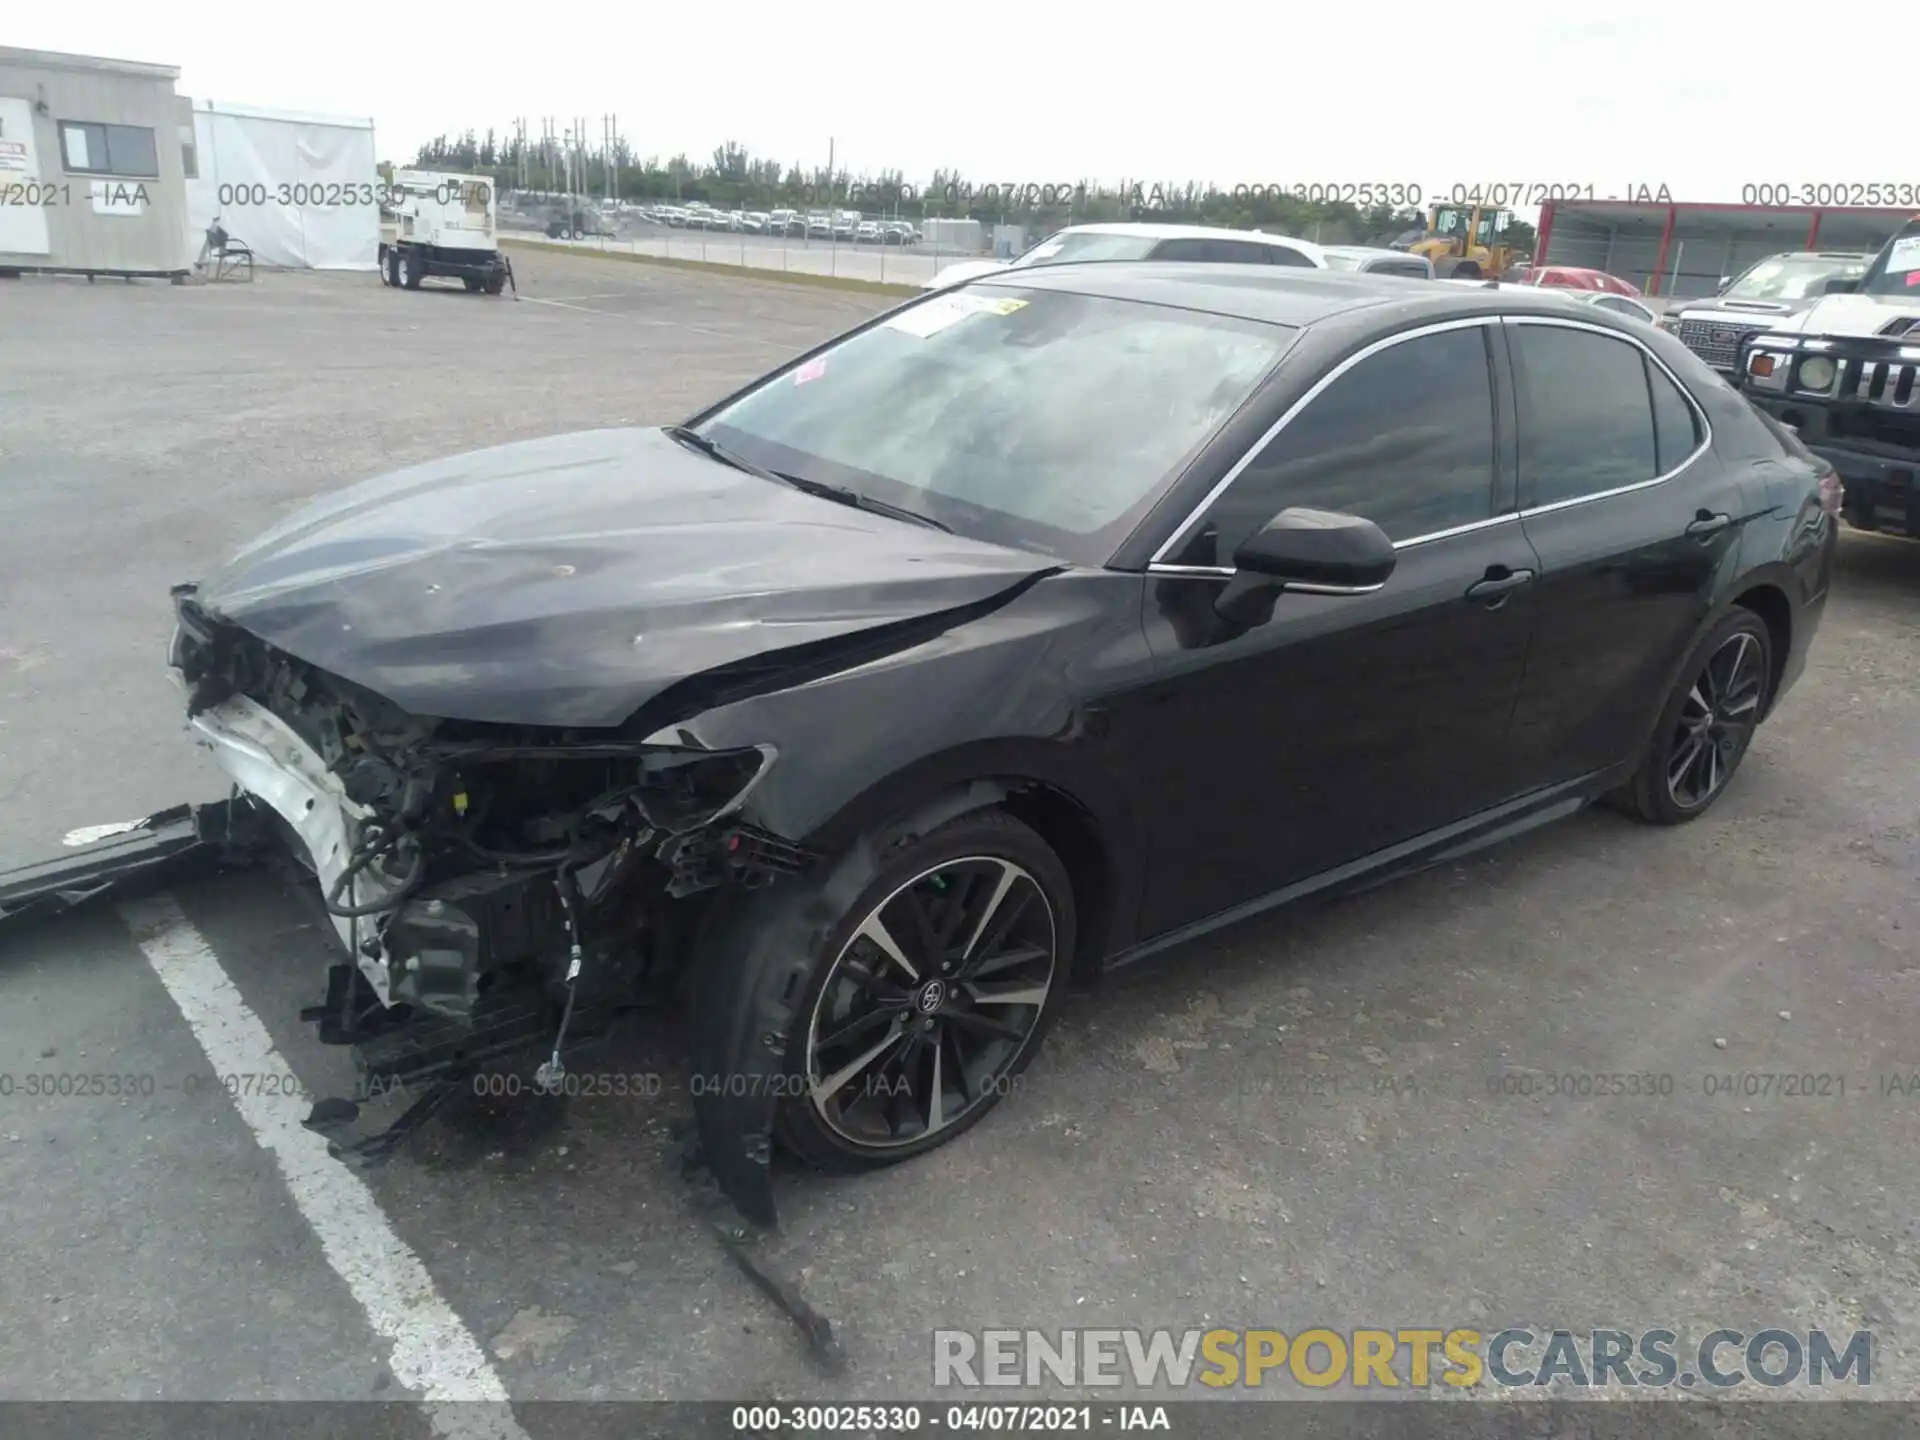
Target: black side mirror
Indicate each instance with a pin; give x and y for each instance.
(1320, 552)
(1725, 281)
(1838, 286)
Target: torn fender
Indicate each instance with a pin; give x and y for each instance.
(748, 990)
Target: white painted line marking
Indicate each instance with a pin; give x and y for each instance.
(563, 305)
(434, 1353)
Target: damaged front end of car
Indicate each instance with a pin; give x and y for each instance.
(499, 891)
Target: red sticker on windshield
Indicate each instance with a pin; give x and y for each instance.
(812, 370)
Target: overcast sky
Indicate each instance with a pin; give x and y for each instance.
(1683, 94)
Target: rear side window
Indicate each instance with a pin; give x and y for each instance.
(1404, 438)
(1208, 251)
(1586, 418)
(1676, 429)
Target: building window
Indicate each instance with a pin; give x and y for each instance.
(189, 158)
(87, 148)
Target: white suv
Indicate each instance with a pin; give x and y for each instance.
(1198, 244)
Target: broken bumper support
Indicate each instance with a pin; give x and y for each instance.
(166, 847)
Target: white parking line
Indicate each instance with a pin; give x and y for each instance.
(434, 1353)
(563, 305)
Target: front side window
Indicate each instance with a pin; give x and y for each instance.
(1404, 438)
(1026, 417)
(87, 148)
(1586, 415)
(1088, 245)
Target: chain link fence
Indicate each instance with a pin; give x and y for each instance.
(856, 256)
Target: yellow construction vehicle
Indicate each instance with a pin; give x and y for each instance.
(1460, 241)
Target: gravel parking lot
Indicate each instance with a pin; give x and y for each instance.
(1317, 1119)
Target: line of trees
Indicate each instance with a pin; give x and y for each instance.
(733, 179)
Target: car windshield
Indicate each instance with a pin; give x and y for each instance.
(1792, 277)
(1059, 249)
(1896, 269)
(1024, 417)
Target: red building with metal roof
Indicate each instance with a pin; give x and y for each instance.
(1683, 249)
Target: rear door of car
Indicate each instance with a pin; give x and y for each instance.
(1633, 518)
(1346, 722)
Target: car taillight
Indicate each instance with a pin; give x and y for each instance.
(1831, 492)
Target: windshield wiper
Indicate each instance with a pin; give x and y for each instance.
(847, 495)
(694, 440)
(841, 494)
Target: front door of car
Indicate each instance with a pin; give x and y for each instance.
(1632, 519)
(1346, 722)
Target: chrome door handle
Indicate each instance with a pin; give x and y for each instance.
(1706, 524)
(1497, 585)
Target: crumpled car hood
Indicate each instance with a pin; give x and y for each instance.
(566, 581)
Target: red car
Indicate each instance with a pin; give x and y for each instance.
(1574, 277)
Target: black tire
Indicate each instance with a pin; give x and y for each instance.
(472, 282)
(412, 271)
(393, 268)
(894, 1091)
(381, 264)
(496, 282)
(1729, 678)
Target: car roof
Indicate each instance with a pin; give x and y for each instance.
(1277, 295)
(1149, 230)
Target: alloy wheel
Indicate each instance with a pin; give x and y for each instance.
(931, 1003)
(1716, 722)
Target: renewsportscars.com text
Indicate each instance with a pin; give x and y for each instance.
(1410, 1357)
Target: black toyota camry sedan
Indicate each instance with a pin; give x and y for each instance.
(1022, 632)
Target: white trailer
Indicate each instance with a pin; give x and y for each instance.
(444, 224)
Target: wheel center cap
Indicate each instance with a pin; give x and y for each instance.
(932, 995)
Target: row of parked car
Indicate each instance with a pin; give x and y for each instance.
(847, 225)
(1714, 328)
(1130, 240)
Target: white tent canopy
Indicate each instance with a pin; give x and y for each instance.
(301, 191)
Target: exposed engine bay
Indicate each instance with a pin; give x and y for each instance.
(496, 886)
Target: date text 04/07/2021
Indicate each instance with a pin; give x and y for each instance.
(906, 1419)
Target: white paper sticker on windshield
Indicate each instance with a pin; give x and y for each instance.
(936, 315)
(1906, 254)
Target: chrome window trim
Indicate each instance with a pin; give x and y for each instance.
(1233, 473)
(1699, 415)
(1227, 572)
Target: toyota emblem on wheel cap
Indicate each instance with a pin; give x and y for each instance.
(930, 996)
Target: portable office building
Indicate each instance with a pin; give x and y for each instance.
(92, 177)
